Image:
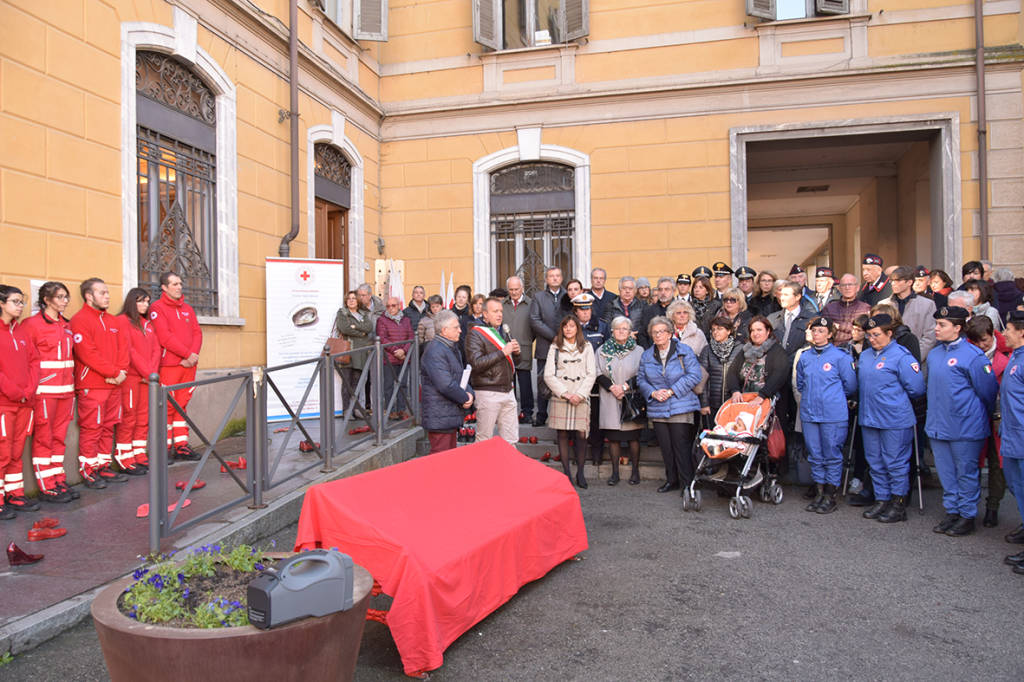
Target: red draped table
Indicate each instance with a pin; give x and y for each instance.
(451, 537)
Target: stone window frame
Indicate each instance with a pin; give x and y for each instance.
(334, 134)
(528, 149)
(180, 40)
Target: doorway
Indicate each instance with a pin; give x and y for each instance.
(331, 232)
(826, 194)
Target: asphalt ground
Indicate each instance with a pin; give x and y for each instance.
(667, 595)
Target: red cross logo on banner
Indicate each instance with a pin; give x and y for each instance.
(304, 275)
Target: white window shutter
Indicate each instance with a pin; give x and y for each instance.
(370, 19)
(762, 8)
(487, 23)
(832, 6)
(576, 15)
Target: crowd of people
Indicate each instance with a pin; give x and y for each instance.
(888, 366)
(96, 363)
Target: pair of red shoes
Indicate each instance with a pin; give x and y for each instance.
(198, 485)
(531, 440)
(45, 529)
(240, 464)
(547, 456)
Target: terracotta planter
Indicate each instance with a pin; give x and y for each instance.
(308, 649)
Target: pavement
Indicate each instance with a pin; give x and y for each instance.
(667, 595)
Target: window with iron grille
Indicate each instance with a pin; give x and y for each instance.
(533, 222)
(176, 176)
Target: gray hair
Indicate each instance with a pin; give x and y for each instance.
(659, 320)
(670, 280)
(1002, 275)
(601, 270)
(512, 277)
(627, 278)
(365, 287)
(443, 318)
(620, 320)
(964, 299)
(680, 305)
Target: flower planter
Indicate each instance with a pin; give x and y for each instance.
(309, 649)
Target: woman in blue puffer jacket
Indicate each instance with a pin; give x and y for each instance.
(669, 371)
(443, 399)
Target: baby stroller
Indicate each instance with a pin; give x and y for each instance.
(733, 457)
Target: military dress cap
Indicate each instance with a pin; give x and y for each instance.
(795, 270)
(880, 320)
(721, 268)
(951, 312)
(820, 322)
(746, 272)
(583, 301)
(701, 271)
(921, 271)
(825, 272)
(683, 278)
(872, 259)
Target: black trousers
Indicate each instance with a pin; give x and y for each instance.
(676, 443)
(525, 384)
(542, 403)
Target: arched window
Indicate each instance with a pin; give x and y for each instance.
(176, 178)
(533, 222)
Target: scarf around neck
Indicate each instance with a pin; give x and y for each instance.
(723, 350)
(752, 352)
(396, 318)
(611, 348)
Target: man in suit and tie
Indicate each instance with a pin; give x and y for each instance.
(789, 325)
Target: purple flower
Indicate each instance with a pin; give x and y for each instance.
(259, 567)
(186, 593)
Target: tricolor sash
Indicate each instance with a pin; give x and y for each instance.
(492, 335)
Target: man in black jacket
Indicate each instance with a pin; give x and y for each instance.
(602, 297)
(626, 305)
(665, 297)
(545, 315)
(789, 326)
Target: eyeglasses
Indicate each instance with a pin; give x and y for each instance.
(848, 284)
(657, 332)
(16, 301)
(730, 300)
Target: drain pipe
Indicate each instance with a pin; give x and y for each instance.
(284, 250)
(979, 68)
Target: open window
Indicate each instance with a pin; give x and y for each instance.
(513, 24)
(780, 10)
(368, 19)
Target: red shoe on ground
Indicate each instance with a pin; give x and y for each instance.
(533, 440)
(198, 485)
(37, 534)
(545, 457)
(46, 522)
(16, 556)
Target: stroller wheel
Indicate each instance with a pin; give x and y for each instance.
(766, 493)
(746, 507)
(696, 500)
(734, 507)
(776, 492)
(687, 505)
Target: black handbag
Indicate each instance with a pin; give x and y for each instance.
(633, 406)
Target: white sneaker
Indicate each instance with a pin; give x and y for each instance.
(856, 485)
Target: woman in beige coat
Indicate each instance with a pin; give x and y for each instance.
(569, 373)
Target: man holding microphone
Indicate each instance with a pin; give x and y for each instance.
(491, 354)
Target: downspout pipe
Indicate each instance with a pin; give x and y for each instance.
(284, 250)
(979, 68)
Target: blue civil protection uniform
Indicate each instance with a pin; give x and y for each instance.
(962, 392)
(1011, 428)
(825, 377)
(888, 380)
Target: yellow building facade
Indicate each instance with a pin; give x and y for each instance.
(487, 137)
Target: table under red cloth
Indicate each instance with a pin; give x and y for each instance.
(450, 536)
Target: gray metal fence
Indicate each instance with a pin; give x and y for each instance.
(264, 456)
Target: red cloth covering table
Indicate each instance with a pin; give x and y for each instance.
(450, 536)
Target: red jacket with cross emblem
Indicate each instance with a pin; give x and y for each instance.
(101, 350)
(177, 329)
(19, 367)
(52, 340)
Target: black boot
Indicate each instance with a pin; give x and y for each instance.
(614, 480)
(896, 512)
(946, 523)
(991, 519)
(634, 458)
(816, 494)
(1014, 559)
(877, 509)
(580, 446)
(1016, 537)
(962, 527)
(828, 502)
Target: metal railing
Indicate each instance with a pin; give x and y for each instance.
(264, 453)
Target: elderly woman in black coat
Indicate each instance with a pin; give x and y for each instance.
(443, 398)
(716, 358)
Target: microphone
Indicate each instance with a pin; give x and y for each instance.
(506, 332)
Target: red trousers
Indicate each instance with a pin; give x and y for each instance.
(15, 425)
(177, 427)
(99, 411)
(131, 433)
(52, 416)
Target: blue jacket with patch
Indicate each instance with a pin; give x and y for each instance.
(825, 378)
(1011, 400)
(888, 380)
(961, 392)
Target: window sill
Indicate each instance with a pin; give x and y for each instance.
(812, 20)
(538, 49)
(216, 321)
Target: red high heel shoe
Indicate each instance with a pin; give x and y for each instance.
(16, 556)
